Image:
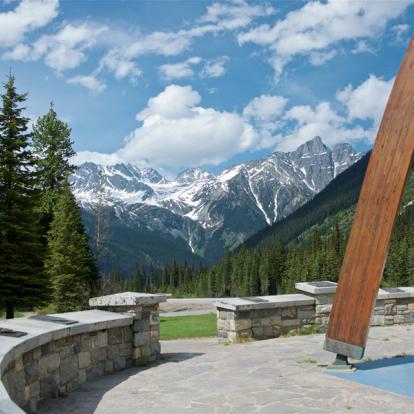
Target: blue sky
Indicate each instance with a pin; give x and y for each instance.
(174, 84)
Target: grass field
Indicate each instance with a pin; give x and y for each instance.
(194, 326)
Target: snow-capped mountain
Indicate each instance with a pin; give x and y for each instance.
(206, 214)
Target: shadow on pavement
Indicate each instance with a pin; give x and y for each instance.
(89, 395)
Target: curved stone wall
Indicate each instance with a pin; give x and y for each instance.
(53, 358)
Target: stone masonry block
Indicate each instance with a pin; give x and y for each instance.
(68, 369)
(289, 313)
(84, 359)
(141, 338)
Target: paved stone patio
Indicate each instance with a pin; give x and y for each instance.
(278, 376)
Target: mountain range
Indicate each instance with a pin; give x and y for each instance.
(152, 220)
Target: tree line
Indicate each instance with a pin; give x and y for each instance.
(45, 257)
(275, 266)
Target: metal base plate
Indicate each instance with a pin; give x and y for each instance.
(341, 363)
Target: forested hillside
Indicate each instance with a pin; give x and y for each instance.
(308, 245)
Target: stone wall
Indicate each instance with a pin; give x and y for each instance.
(53, 358)
(264, 317)
(56, 368)
(272, 316)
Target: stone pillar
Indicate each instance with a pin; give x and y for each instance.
(143, 307)
(323, 292)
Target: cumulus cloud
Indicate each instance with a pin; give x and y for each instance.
(88, 81)
(172, 71)
(365, 102)
(321, 120)
(320, 26)
(29, 15)
(177, 131)
(215, 68)
(368, 100)
(265, 107)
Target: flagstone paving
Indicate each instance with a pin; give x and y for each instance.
(278, 376)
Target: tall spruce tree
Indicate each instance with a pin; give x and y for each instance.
(69, 262)
(53, 149)
(22, 279)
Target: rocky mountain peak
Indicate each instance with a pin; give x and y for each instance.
(314, 146)
(193, 174)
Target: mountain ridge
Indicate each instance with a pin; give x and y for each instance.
(212, 214)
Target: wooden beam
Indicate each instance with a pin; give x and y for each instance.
(375, 216)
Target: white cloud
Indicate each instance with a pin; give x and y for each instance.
(215, 68)
(219, 18)
(121, 66)
(265, 107)
(362, 47)
(69, 47)
(401, 32)
(174, 102)
(172, 71)
(177, 132)
(319, 58)
(319, 121)
(235, 14)
(88, 81)
(319, 26)
(29, 15)
(97, 157)
(19, 52)
(66, 49)
(368, 100)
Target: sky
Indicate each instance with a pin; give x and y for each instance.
(177, 84)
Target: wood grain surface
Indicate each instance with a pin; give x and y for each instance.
(376, 213)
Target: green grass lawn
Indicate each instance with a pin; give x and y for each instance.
(194, 326)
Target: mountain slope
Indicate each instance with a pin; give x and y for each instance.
(197, 214)
(340, 194)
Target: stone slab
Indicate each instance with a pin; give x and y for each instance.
(264, 302)
(316, 288)
(127, 299)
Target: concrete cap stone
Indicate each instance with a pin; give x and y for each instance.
(264, 302)
(127, 299)
(322, 287)
(326, 287)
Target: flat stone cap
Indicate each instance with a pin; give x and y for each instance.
(264, 302)
(127, 299)
(322, 287)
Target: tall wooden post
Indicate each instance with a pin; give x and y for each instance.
(374, 220)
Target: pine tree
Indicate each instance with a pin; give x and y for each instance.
(139, 280)
(53, 150)
(69, 262)
(22, 280)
